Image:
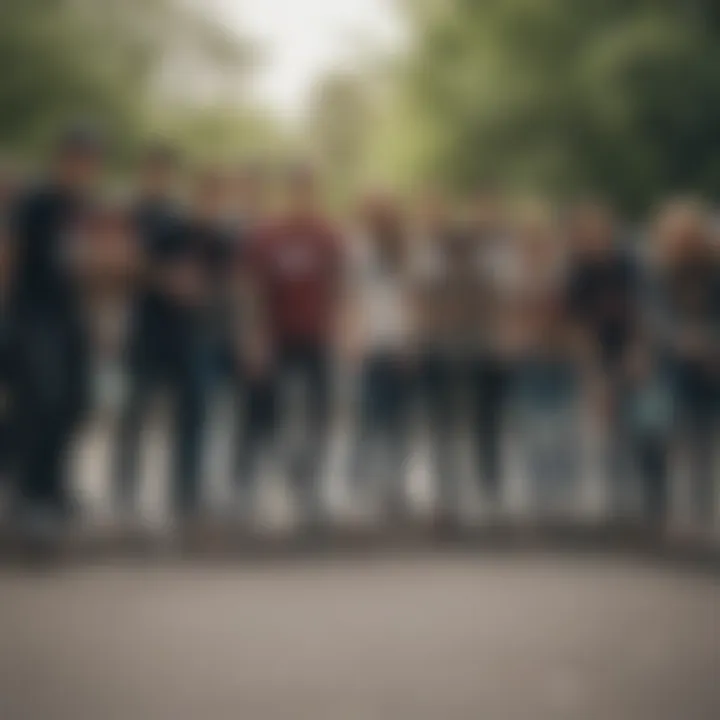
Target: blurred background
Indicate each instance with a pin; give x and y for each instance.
(513, 208)
(547, 97)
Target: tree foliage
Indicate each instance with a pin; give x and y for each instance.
(616, 96)
(106, 59)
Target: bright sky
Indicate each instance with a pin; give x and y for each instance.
(305, 38)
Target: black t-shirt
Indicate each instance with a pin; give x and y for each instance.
(603, 296)
(169, 239)
(156, 222)
(214, 248)
(42, 225)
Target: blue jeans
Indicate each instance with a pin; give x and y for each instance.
(545, 395)
(383, 424)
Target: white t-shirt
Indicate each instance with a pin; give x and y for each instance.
(382, 295)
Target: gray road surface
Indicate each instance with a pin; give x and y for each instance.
(438, 638)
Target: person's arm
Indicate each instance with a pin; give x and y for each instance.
(252, 341)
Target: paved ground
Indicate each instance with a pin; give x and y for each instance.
(431, 638)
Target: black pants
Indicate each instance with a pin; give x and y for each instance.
(265, 413)
(8, 404)
(50, 393)
(652, 459)
(544, 400)
(491, 384)
(439, 378)
(455, 391)
(383, 426)
(164, 357)
(698, 399)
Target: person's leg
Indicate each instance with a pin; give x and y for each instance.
(188, 388)
(702, 460)
(35, 440)
(653, 464)
(565, 440)
(256, 427)
(313, 366)
(57, 451)
(528, 421)
(144, 375)
(369, 419)
(435, 389)
(619, 440)
(76, 408)
(29, 414)
(491, 382)
(38, 381)
(696, 434)
(47, 382)
(395, 438)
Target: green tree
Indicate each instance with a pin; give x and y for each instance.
(337, 129)
(103, 58)
(618, 96)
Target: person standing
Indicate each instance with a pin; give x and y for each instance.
(50, 358)
(381, 298)
(183, 258)
(604, 290)
(687, 327)
(297, 266)
(434, 373)
(455, 310)
(447, 288)
(544, 380)
(491, 368)
(155, 315)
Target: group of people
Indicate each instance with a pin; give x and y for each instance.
(481, 318)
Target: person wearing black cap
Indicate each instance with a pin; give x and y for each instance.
(50, 374)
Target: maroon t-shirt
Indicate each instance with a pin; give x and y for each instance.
(297, 262)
